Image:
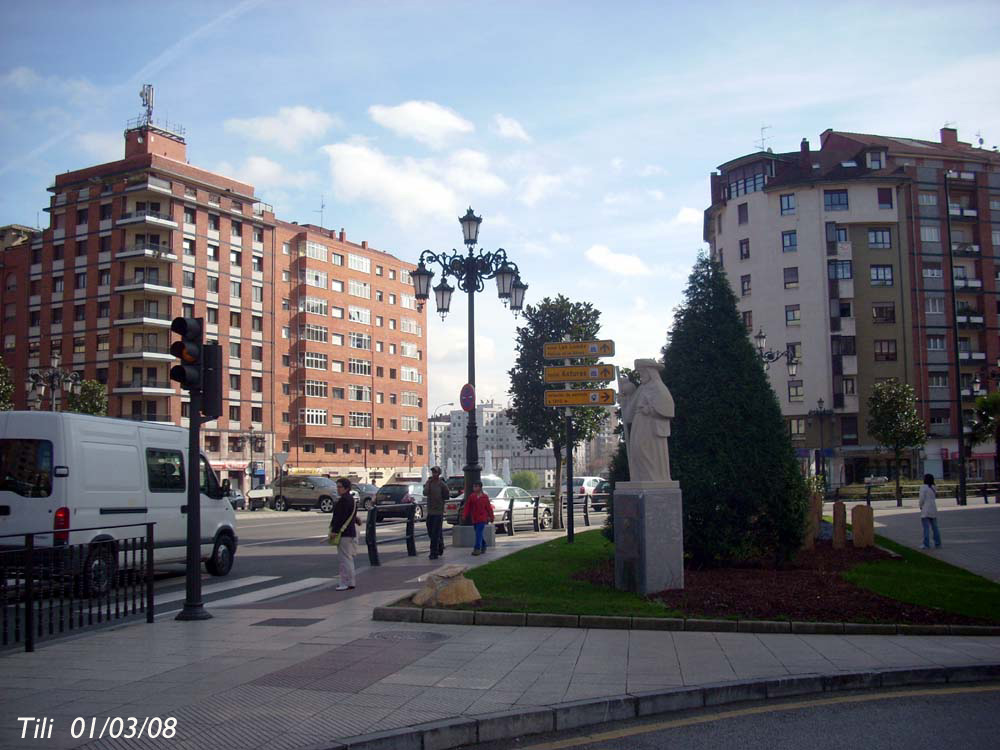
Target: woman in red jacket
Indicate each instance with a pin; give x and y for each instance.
(479, 510)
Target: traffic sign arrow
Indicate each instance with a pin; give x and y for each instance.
(579, 373)
(582, 397)
(564, 349)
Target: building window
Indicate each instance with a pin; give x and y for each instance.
(885, 350)
(743, 212)
(234, 349)
(937, 379)
(793, 351)
(932, 271)
(234, 381)
(881, 275)
(797, 427)
(883, 312)
(359, 263)
(927, 199)
(312, 416)
(314, 360)
(257, 263)
(885, 197)
(744, 249)
(849, 386)
(359, 419)
(188, 279)
(796, 392)
(359, 366)
(934, 305)
(235, 258)
(359, 393)
(360, 340)
(788, 204)
(257, 293)
(839, 269)
(359, 315)
(793, 315)
(104, 309)
(879, 238)
(930, 234)
(848, 430)
(745, 285)
(359, 289)
(792, 278)
(235, 319)
(789, 241)
(236, 229)
(835, 200)
(235, 288)
(935, 343)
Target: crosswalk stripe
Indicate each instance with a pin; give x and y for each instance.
(212, 588)
(270, 592)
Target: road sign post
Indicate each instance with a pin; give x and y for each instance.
(578, 349)
(581, 397)
(579, 373)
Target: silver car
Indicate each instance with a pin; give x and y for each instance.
(305, 492)
(500, 497)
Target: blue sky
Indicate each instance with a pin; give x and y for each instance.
(583, 132)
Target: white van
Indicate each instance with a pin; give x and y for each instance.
(61, 471)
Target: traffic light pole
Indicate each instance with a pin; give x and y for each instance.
(193, 607)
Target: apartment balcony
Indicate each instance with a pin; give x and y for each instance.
(143, 318)
(145, 387)
(970, 319)
(148, 218)
(965, 248)
(940, 430)
(958, 212)
(153, 352)
(151, 184)
(972, 356)
(146, 250)
(145, 284)
(969, 285)
(970, 393)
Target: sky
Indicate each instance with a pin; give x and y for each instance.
(582, 132)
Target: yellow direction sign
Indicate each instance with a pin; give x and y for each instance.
(595, 397)
(579, 374)
(565, 349)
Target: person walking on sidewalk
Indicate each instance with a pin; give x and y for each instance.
(928, 511)
(436, 490)
(479, 510)
(343, 534)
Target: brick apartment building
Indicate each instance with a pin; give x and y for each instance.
(841, 257)
(323, 344)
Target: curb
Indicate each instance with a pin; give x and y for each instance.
(441, 616)
(508, 725)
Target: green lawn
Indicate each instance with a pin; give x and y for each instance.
(538, 579)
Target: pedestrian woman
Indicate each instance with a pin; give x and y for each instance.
(928, 511)
(479, 510)
(343, 534)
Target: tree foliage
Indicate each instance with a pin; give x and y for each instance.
(6, 387)
(92, 399)
(743, 493)
(526, 480)
(537, 425)
(893, 420)
(986, 425)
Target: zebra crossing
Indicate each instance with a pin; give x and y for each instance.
(239, 591)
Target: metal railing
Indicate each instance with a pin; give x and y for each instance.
(886, 492)
(46, 591)
(409, 535)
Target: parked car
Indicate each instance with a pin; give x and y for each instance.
(305, 492)
(456, 482)
(500, 497)
(259, 497)
(585, 486)
(400, 494)
(237, 499)
(366, 495)
(602, 492)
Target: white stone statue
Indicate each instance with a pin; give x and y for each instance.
(647, 411)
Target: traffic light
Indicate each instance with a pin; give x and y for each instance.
(211, 382)
(189, 351)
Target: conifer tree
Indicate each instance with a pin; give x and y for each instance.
(730, 449)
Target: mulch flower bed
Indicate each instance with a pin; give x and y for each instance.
(810, 588)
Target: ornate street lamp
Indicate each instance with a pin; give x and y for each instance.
(820, 413)
(53, 377)
(469, 271)
(769, 356)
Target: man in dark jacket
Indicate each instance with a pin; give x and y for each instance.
(436, 490)
(343, 534)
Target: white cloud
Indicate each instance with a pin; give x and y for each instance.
(656, 195)
(103, 147)
(620, 263)
(687, 215)
(616, 199)
(508, 127)
(261, 172)
(27, 79)
(402, 186)
(426, 122)
(539, 249)
(617, 163)
(651, 170)
(539, 186)
(287, 129)
(468, 171)
(559, 237)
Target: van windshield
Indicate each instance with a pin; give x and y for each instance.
(26, 467)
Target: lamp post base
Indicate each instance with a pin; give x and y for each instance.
(193, 612)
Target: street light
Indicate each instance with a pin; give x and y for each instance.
(256, 442)
(469, 271)
(53, 377)
(956, 362)
(769, 356)
(821, 413)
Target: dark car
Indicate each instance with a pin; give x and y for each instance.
(601, 494)
(401, 495)
(366, 495)
(305, 492)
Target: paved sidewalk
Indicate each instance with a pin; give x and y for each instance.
(315, 668)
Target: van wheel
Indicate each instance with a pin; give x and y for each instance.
(280, 503)
(100, 569)
(326, 504)
(221, 561)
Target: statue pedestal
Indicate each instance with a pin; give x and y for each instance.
(649, 537)
(465, 536)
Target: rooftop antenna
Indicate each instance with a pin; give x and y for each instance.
(322, 205)
(762, 143)
(979, 135)
(146, 94)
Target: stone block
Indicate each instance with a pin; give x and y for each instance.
(649, 538)
(548, 620)
(863, 526)
(975, 629)
(447, 590)
(822, 628)
(735, 692)
(507, 725)
(393, 739)
(765, 626)
(910, 676)
(839, 525)
(500, 618)
(851, 681)
(594, 711)
(652, 702)
(658, 623)
(924, 629)
(447, 734)
(711, 626)
(974, 673)
(450, 616)
(797, 685)
(870, 628)
(605, 621)
(465, 536)
(397, 614)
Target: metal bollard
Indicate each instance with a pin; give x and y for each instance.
(150, 602)
(370, 539)
(868, 495)
(534, 514)
(411, 542)
(29, 592)
(586, 509)
(510, 518)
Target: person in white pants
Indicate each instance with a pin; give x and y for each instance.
(929, 511)
(344, 534)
